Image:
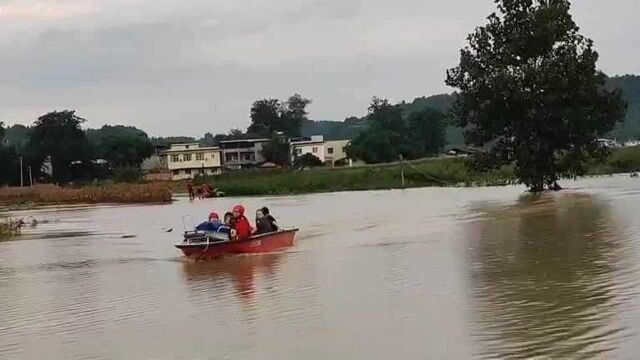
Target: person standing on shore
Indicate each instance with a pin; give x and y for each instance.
(192, 195)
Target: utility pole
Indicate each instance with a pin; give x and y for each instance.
(402, 169)
(30, 178)
(21, 173)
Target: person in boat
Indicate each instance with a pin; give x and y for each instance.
(214, 225)
(241, 228)
(228, 219)
(272, 220)
(263, 225)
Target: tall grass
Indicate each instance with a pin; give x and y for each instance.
(113, 193)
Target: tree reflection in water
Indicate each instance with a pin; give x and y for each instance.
(544, 280)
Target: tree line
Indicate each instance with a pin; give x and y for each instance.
(57, 138)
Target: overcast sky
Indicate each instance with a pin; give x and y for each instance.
(193, 66)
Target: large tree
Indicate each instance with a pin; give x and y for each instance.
(531, 93)
(9, 161)
(58, 135)
(122, 146)
(382, 140)
(269, 116)
(391, 133)
(425, 133)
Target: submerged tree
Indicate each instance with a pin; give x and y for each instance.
(531, 93)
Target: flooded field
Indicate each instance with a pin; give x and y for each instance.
(487, 273)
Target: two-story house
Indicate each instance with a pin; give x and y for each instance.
(242, 154)
(185, 161)
(313, 145)
(329, 152)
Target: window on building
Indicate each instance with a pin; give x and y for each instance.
(187, 171)
(175, 172)
(175, 158)
(330, 150)
(248, 156)
(187, 147)
(200, 156)
(186, 157)
(314, 150)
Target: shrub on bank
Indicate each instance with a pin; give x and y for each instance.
(9, 228)
(625, 159)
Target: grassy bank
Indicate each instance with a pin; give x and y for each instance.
(422, 173)
(113, 193)
(432, 172)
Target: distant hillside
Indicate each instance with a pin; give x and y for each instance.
(333, 130)
(630, 129)
(349, 128)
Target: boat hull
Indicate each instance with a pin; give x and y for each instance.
(256, 244)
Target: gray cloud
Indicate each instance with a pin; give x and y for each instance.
(191, 66)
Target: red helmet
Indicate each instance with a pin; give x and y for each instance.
(214, 215)
(239, 209)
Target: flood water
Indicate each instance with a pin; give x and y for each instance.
(487, 273)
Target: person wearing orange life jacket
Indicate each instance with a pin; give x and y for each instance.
(241, 227)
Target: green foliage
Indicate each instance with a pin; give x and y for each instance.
(333, 130)
(625, 159)
(122, 146)
(277, 151)
(166, 142)
(127, 174)
(9, 161)
(390, 135)
(530, 90)
(434, 172)
(630, 87)
(425, 133)
(214, 140)
(17, 136)
(307, 161)
(58, 135)
(269, 116)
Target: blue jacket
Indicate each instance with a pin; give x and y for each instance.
(213, 226)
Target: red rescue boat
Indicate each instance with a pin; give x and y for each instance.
(199, 246)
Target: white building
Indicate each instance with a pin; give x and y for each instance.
(608, 143)
(335, 150)
(314, 146)
(242, 154)
(185, 161)
(329, 152)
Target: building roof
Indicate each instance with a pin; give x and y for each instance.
(307, 142)
(195, 149)
(244, 140)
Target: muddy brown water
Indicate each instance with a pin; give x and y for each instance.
(487, 273)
